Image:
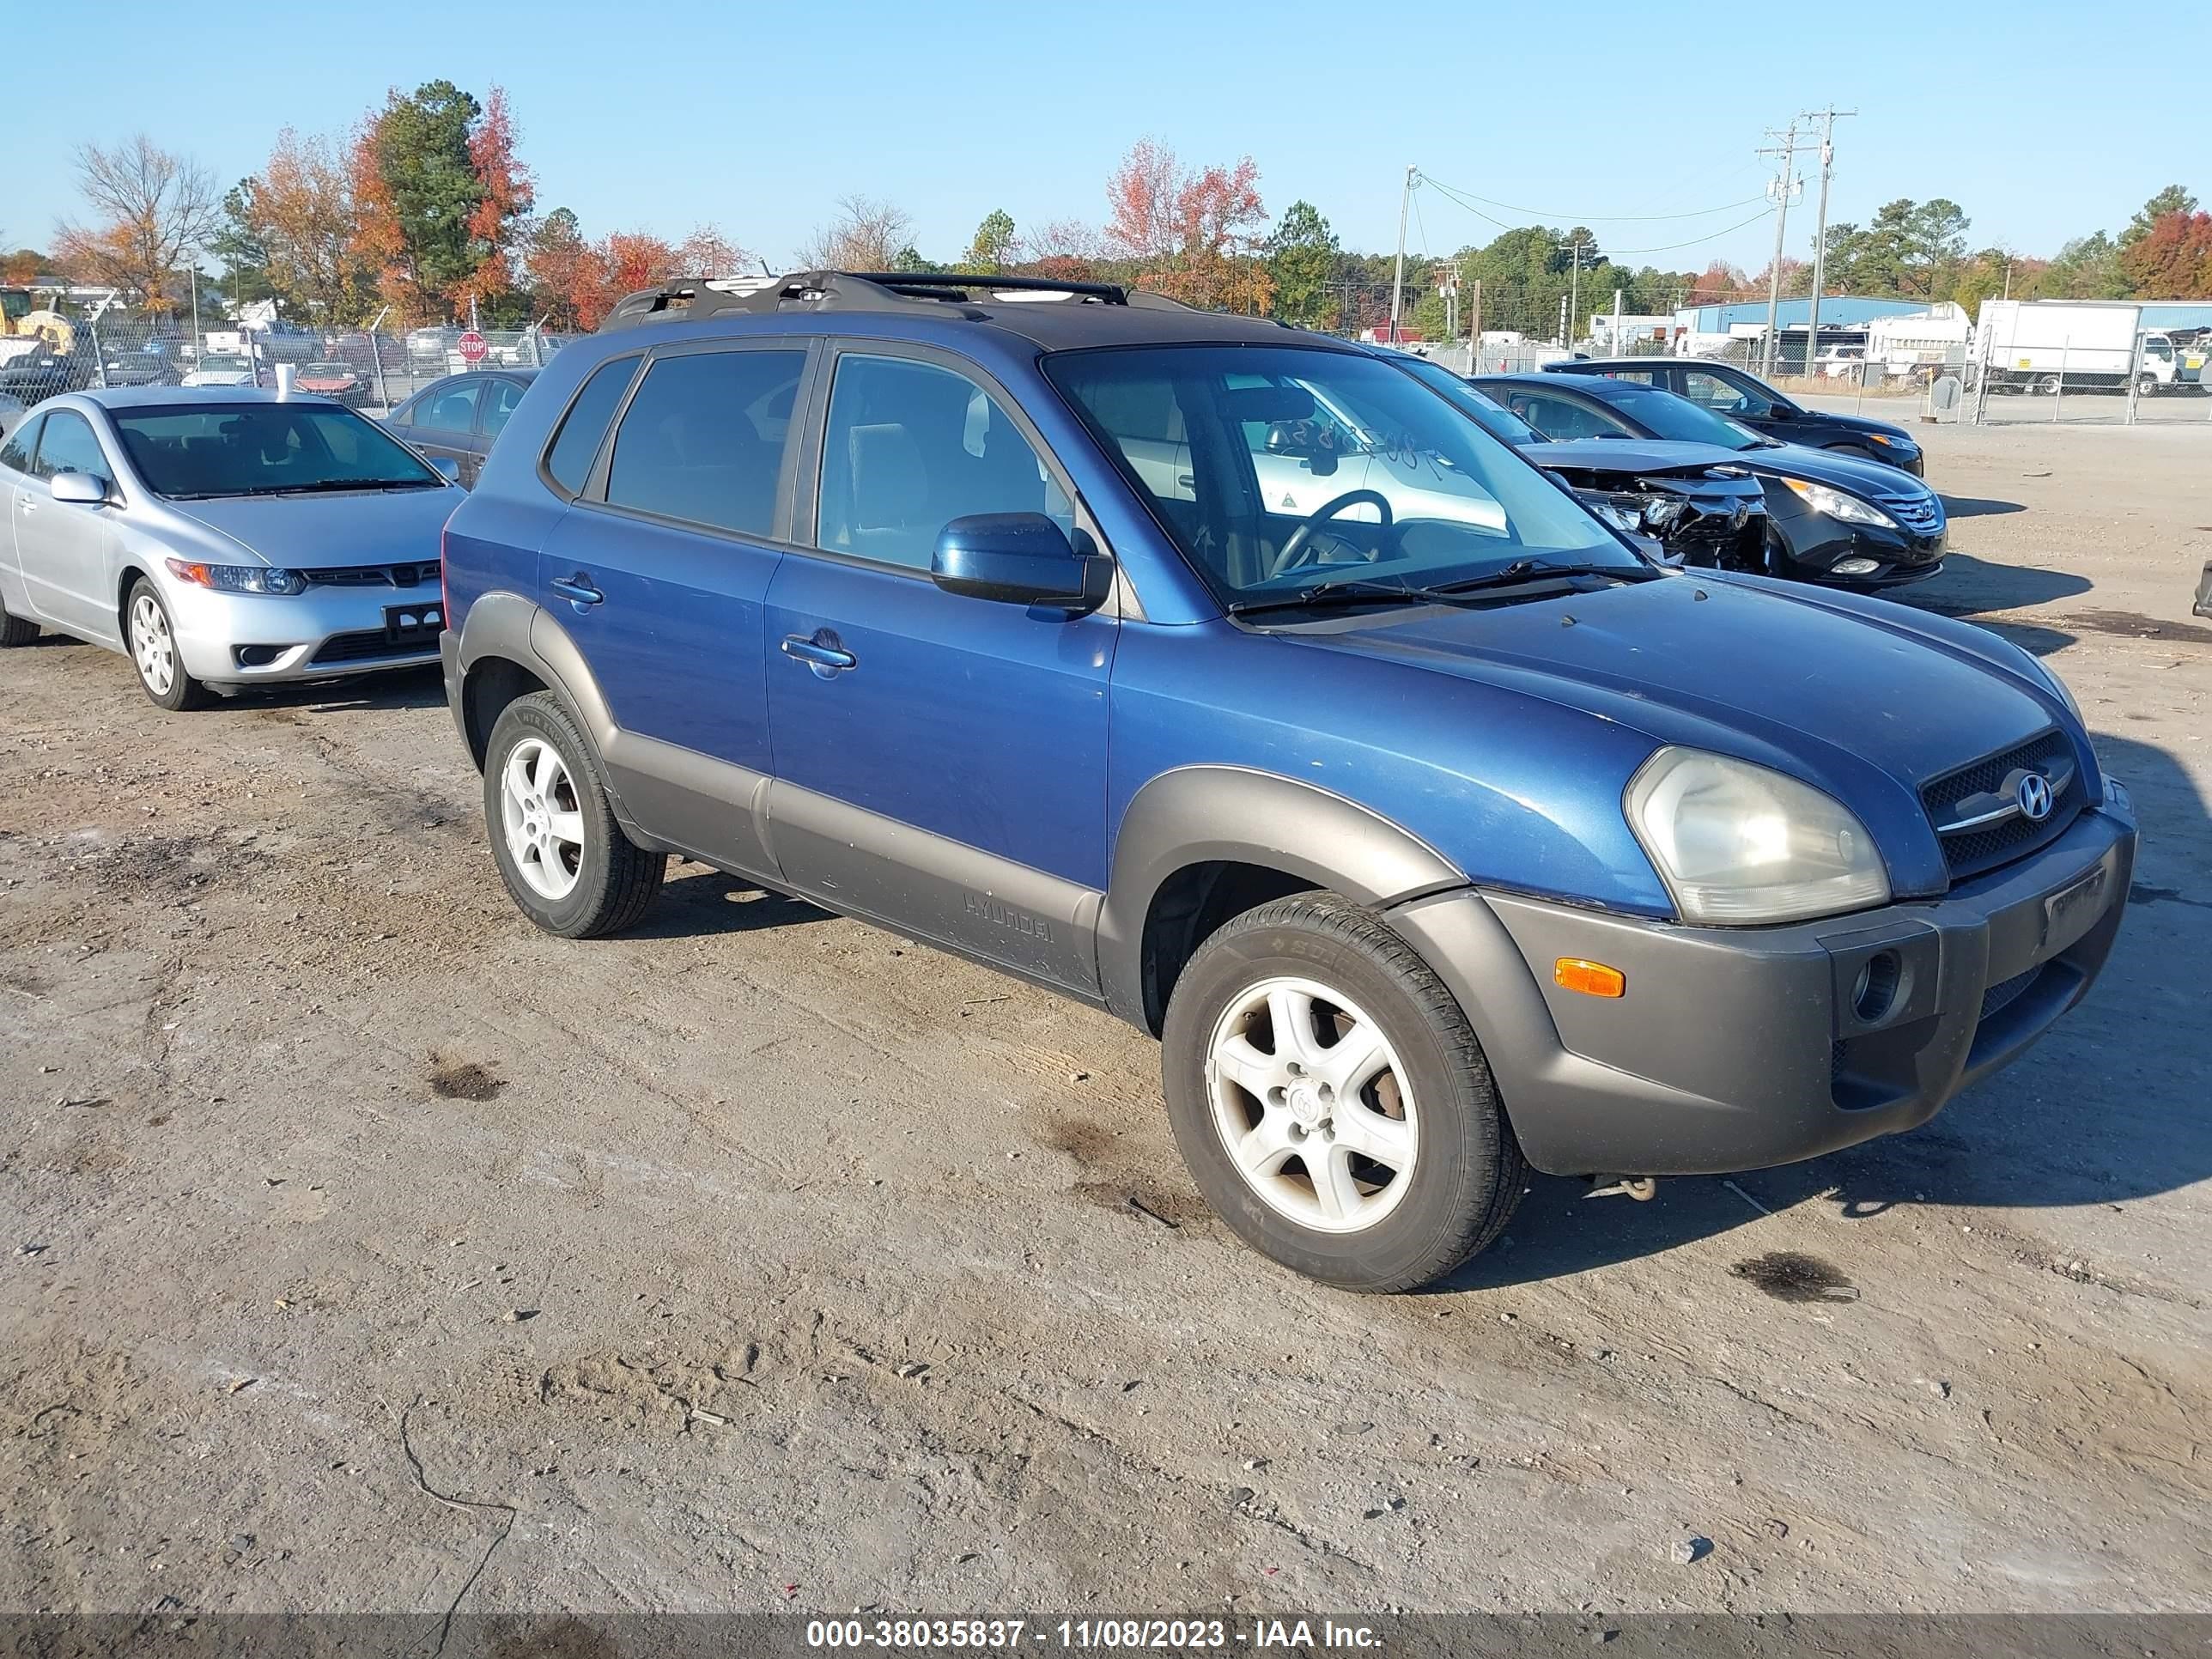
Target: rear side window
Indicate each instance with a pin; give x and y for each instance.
(577, 443)
(1564, 418)
(704, 439)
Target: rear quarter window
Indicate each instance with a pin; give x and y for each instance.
(576, 444)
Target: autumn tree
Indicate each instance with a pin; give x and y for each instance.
(867, 234)
(556, 267)
(2174, 199)
(1186, 228)
(289, 233)
(150, 208)
(1066, 250)
(439, 198)
(22, 267)
(2172, 260)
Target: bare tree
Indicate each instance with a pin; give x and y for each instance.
(153, 208)
(865, 235)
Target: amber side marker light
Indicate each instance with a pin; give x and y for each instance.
(1592, 978)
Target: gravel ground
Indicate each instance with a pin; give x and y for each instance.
(761, 1260)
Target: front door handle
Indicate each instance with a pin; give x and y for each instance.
(824, 656)
(578, 591)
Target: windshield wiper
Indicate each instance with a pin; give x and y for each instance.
(1350, 590)
(1530, 570)
(1354, 591)
(331, 485)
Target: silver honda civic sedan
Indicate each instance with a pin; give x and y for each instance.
(221, 537)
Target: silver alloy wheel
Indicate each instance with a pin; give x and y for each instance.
(539, 811)
(151, 646)
(1308, 1097)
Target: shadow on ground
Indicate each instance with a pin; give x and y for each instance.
(1977, 507)
(2107, 1108)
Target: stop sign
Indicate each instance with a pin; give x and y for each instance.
(472, 347)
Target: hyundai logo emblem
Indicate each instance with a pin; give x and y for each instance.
(2032, 791)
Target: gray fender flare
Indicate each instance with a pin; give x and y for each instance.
(507, 625)
(1233, 814)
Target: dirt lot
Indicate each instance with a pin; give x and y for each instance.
(764, 1260)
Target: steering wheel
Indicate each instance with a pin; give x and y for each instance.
(1301, 539)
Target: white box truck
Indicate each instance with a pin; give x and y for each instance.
(2027, 345)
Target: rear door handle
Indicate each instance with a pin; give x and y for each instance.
(578, 590)
(824, 658)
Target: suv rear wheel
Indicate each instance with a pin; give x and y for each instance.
(565, 860)
(1332, 1100)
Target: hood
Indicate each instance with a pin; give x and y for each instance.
(320, 533)
(1861, 424)
(1872, 479)
(1627, 455)
(1861, 702)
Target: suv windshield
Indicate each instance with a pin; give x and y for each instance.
(1680, 421)
(202, 450)
(1273, 467)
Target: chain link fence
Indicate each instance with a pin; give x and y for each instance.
(368, 370)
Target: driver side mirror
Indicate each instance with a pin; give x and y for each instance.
(79, 488)
(1019, 558)
(445, 467)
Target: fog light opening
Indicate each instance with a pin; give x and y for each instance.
(1877, 986)
(1855, 567)
(256, 656)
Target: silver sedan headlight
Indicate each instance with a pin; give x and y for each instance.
(239, 577)
(1738, 844)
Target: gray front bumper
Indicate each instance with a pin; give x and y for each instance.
(1738, 1048)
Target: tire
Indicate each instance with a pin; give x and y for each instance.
(1388, 1228)
(17, 631)
(597, 883)
(151, 642)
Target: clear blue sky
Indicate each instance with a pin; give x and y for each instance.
(2043, 118)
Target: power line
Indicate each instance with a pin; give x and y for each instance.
(1453, 195)
(1600, 218)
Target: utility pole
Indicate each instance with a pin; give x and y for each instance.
(1398, 273)
(1827, 120)
(1574, 244)
(1787, 149)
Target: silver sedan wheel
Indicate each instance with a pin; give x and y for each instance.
(538, 810)
(1310, 1100)
(152, 647)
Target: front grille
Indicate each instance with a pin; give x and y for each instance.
(1920, 514)
(1972, 852)
(375, 575)
(368, 645)
(2005, 993)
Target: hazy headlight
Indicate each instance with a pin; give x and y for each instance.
(1737, 843)
(1624, 513)
(1837, 505)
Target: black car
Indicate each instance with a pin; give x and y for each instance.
(139, 367)
(1727, 390)
(42, 371)
(1830, 518)
(459, 416)
(1701, 508)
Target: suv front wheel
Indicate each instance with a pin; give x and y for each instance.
(565, 860)
(1332, 1100)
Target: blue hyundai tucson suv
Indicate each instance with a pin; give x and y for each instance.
(1435, 831)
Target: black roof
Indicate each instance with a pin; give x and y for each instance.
(1053, 315)
(1594, 385)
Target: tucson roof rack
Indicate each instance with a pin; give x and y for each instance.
(855, 290)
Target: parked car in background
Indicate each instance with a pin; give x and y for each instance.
(459, 416)
(34, 369)
(222, 369)
(1692, 499)
(339, 381)
(1741, 396)
(221, 537)
(139, 368)
(1436, 830)
(12, 410)
(1830, 518)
